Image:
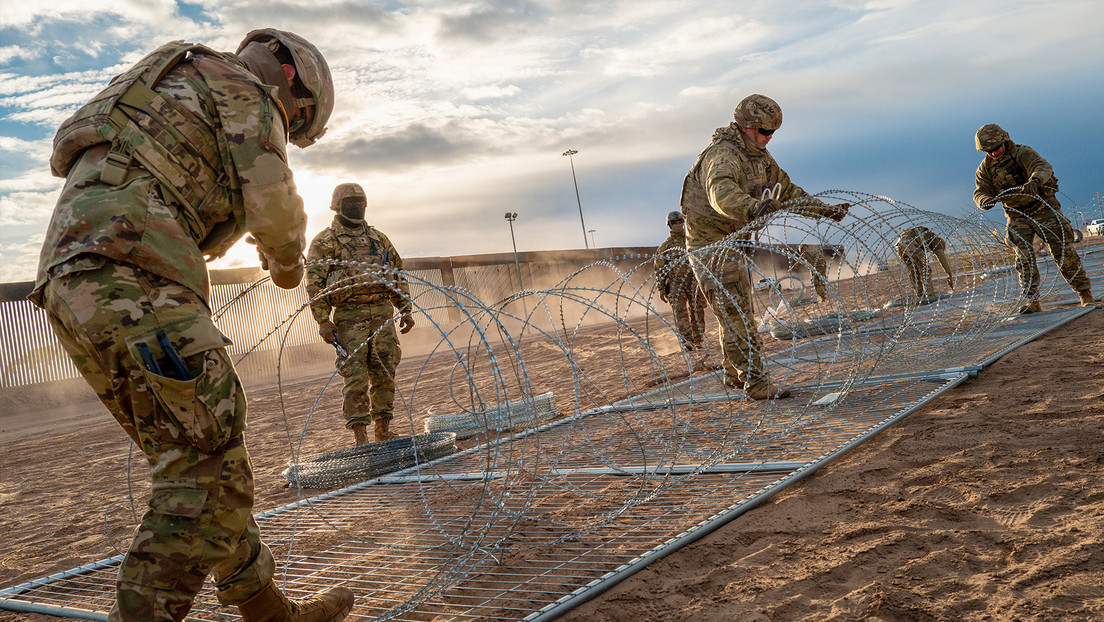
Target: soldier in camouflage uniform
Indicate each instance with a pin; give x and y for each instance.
(353, 272)
(912, 247)
(678, 286)
(177, 159)
(732, 183)
(819, 274)
(1024, 182)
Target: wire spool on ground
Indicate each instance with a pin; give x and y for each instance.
(350, 465)
(510, 416)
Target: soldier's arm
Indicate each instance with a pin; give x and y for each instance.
(1035, 165)
(983, 189)
(317, 274)
(726, 190)
(400, 301)
(273, 210)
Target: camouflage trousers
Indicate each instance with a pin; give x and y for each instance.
(121, 325)
(820, 284)
(367, 331)
(916, 265)
(688, 304)
(1056, 231)
(727, 285)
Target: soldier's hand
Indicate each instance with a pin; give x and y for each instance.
(264, 258)
(764, 207)
(838, 211)
(406, 322)
(1031, 188)
(663, 295)
(950, 281)
(327, 330)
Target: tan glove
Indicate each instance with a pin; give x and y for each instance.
(838, 211)
(406, 322)
(327, 330)
(1031, 188)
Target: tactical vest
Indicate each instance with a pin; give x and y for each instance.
(161, 135)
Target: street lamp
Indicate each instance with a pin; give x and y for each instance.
(569, 153)
(591, 232)
(511, 217)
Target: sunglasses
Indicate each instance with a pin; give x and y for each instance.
(765, 132)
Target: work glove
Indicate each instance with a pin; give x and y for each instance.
(764, 207)
(1031, 188)
(665, 293)
(406, 322)
(950, 281)
(260, 254)
(327, 330)
(838, 211)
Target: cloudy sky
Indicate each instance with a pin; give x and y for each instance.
(452, 112)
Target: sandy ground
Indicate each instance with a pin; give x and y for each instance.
(986, 504)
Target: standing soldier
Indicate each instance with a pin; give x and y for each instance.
(912, 247)
(353, 272)
(1024, 182)
(176, 160)
(734, 181)
(819, 271)
(678, 286)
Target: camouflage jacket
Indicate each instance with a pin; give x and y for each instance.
(725, 184)
(345, 262)
(917, 240)
(1016, 165)
(240, 133)
(670, 263)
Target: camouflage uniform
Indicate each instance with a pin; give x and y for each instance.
(344, 276)
(123, 280)
(819, 274)
(719, 196)
(1027, 215)
(912, 247)
(676, 279)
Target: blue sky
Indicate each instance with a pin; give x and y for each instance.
(452, 112)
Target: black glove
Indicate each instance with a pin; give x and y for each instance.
(764, 207)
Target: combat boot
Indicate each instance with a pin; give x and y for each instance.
(767, 390)
(1086, 298)
(360, 433)
(1031, 307)
(270, 605)
(382, 433)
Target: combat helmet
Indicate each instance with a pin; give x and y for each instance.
(990, 137)
(312, 72)
(346, 191)
(673, 217)
(758, 112)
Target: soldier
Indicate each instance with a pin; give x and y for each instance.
(733, 182)
(912, 247)
(678, 286)
(1024, 182)
(177, 159)
(353, 273)
(819, 271)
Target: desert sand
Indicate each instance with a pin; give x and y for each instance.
(986, 504)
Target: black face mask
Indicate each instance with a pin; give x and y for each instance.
(352, 209)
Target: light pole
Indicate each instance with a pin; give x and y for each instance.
(591, 232)
(510, 218)
(569, 153)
